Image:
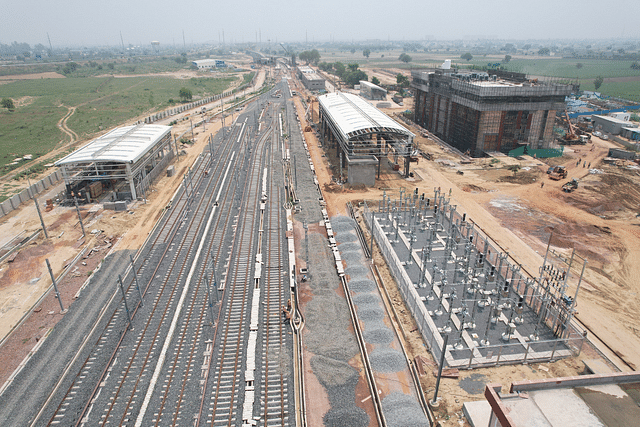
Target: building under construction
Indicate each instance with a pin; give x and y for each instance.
(363, 136)
(122, 162)
(482, 112)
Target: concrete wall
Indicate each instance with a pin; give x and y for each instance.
(29, 192)
(362, 173)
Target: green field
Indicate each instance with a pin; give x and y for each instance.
(101, 103)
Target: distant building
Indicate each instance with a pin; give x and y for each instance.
(373, 92)
(310, 79)
(484, 112)
(204, 64)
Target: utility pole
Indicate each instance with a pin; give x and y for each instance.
(135, 277)
(46, 236)
(442, 360)
(306, 239)
(55, 286)
(75, 199)
(124, 297)
(209, 302)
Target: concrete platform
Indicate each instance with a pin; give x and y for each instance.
(477, 413)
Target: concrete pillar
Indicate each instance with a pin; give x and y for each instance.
(132, 185)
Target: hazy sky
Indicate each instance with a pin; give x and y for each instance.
(91, 22)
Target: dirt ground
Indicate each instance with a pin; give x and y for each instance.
(599, 220)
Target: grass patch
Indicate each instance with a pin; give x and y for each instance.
(102, 102)
(246, 78)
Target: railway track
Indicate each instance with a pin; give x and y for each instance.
(209, 345)
(233, 383)
(182, 220)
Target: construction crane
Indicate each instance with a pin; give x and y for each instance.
(571, 134)
(291, 54)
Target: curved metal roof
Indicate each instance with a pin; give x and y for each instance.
(353, 116)
(123, 145)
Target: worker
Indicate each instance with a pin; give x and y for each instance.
(285, 314)
(589, 167)
(542, 184)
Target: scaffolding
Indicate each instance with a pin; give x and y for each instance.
(483, 112)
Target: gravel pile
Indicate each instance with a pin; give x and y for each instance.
(362, 285)
(327, 318)
(362, 300)
(370, 313)
(381, 335)
(347, 247)
(356, 271)
(341, 219)
(401, 410)
(352, 257)
(341, 226)
(387, 360)
(345, 237)
(346, 416)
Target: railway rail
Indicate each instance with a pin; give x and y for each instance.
(177, 222)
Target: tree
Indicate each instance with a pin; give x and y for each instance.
(70, 67)
(514, 169)
(111, 65)
(340, 68)
(353, 50)
(635, 66)
(579, 65)
(366, 52)
(182, 59)
(402, 80)
(375, 81)
(353, 77)
(8, 104)
(353, 67)
(325, 66)
(544, 51)
(598, 82)
(467, 56)
(405, 58)
(185, 94)
(507, 58)
(310, 56)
